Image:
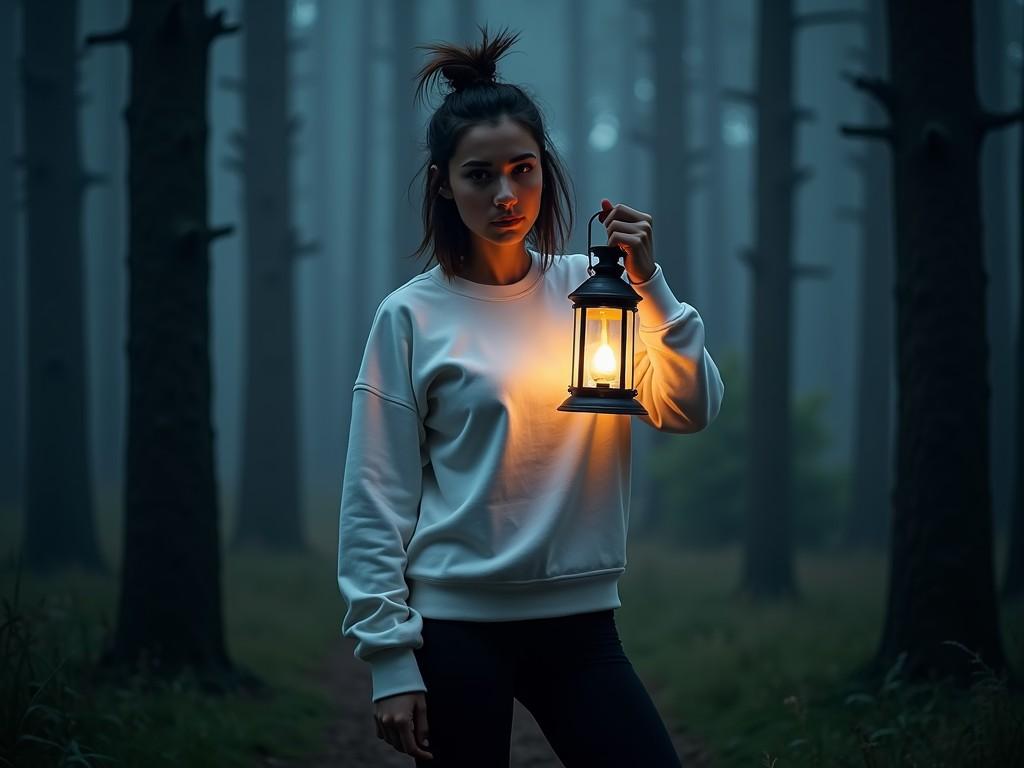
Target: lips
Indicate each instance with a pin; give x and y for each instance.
(509, 220)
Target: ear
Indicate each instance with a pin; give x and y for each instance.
(443, 190)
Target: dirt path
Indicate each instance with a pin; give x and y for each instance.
(351, 741)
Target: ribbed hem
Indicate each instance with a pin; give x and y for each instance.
(659, 306)
(514, 602)
(395, 670)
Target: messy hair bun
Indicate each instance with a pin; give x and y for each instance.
(476, 97)
(463, 67)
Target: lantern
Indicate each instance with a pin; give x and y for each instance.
(604, 333)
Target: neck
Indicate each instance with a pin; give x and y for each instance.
(496, 264)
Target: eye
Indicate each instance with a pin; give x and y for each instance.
(527, 166)
(472, 175)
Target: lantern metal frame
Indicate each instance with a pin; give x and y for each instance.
(605, 288)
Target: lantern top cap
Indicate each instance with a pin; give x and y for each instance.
(605, 285)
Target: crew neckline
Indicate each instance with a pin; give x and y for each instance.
(488, 291)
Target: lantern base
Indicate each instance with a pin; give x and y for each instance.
(626, 406)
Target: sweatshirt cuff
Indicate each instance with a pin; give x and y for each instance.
(395, 670)
(659, 305)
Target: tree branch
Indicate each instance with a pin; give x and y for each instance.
(880, 89)
(991, 121)
(215, 26)
(218, 232)
(191, 229)
(879, 133)
(123, 35)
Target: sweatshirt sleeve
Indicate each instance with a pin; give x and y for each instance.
(676, 379)
(379, 510)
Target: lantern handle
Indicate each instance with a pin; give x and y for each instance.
(590, 224)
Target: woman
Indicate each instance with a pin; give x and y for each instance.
(482, 531)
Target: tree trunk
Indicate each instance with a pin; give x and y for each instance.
(992, 65)
(11, 349)
(671, 166)
(59, 527)
(768, 557)
(720, 312)
(578, 120)
(941, 585)
(358, 310)
(106, 243)
(868, 522)
(269, 514)
(406, 140)
(170, 612)
(1013, 584)
(323, 319)
(465, 21)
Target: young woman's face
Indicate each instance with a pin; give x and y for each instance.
(495, 174)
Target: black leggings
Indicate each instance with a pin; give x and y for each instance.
(570, 672)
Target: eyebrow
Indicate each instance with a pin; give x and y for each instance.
(515, 159)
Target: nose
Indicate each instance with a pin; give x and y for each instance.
(506, 197)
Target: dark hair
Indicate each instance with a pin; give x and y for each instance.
(475, 97)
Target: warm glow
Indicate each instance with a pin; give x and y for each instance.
(603, 366)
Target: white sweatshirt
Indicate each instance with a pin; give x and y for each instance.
(467, 494)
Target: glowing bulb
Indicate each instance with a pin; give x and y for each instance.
(603, 365)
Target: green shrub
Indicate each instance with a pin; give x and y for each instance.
(41, 712)
(702, 478)
(905, 723)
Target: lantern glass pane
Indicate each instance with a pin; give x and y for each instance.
(630, 342)
(576, 314)
(603, 358)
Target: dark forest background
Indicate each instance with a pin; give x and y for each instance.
(205, 204)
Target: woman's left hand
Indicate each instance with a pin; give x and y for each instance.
(632, 231)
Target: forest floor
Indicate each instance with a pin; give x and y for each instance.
(351, 740)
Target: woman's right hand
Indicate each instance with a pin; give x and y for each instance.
(402, 722)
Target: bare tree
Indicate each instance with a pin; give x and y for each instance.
(59, 526)
(269, 512)
(941, 585)
(992, 66)
(406, 141)
(868, 514)
(721, 309)
(358, 309)
(11, 364)
(768, 552)
(578, 118)
(169, 612)
(1013, 584)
